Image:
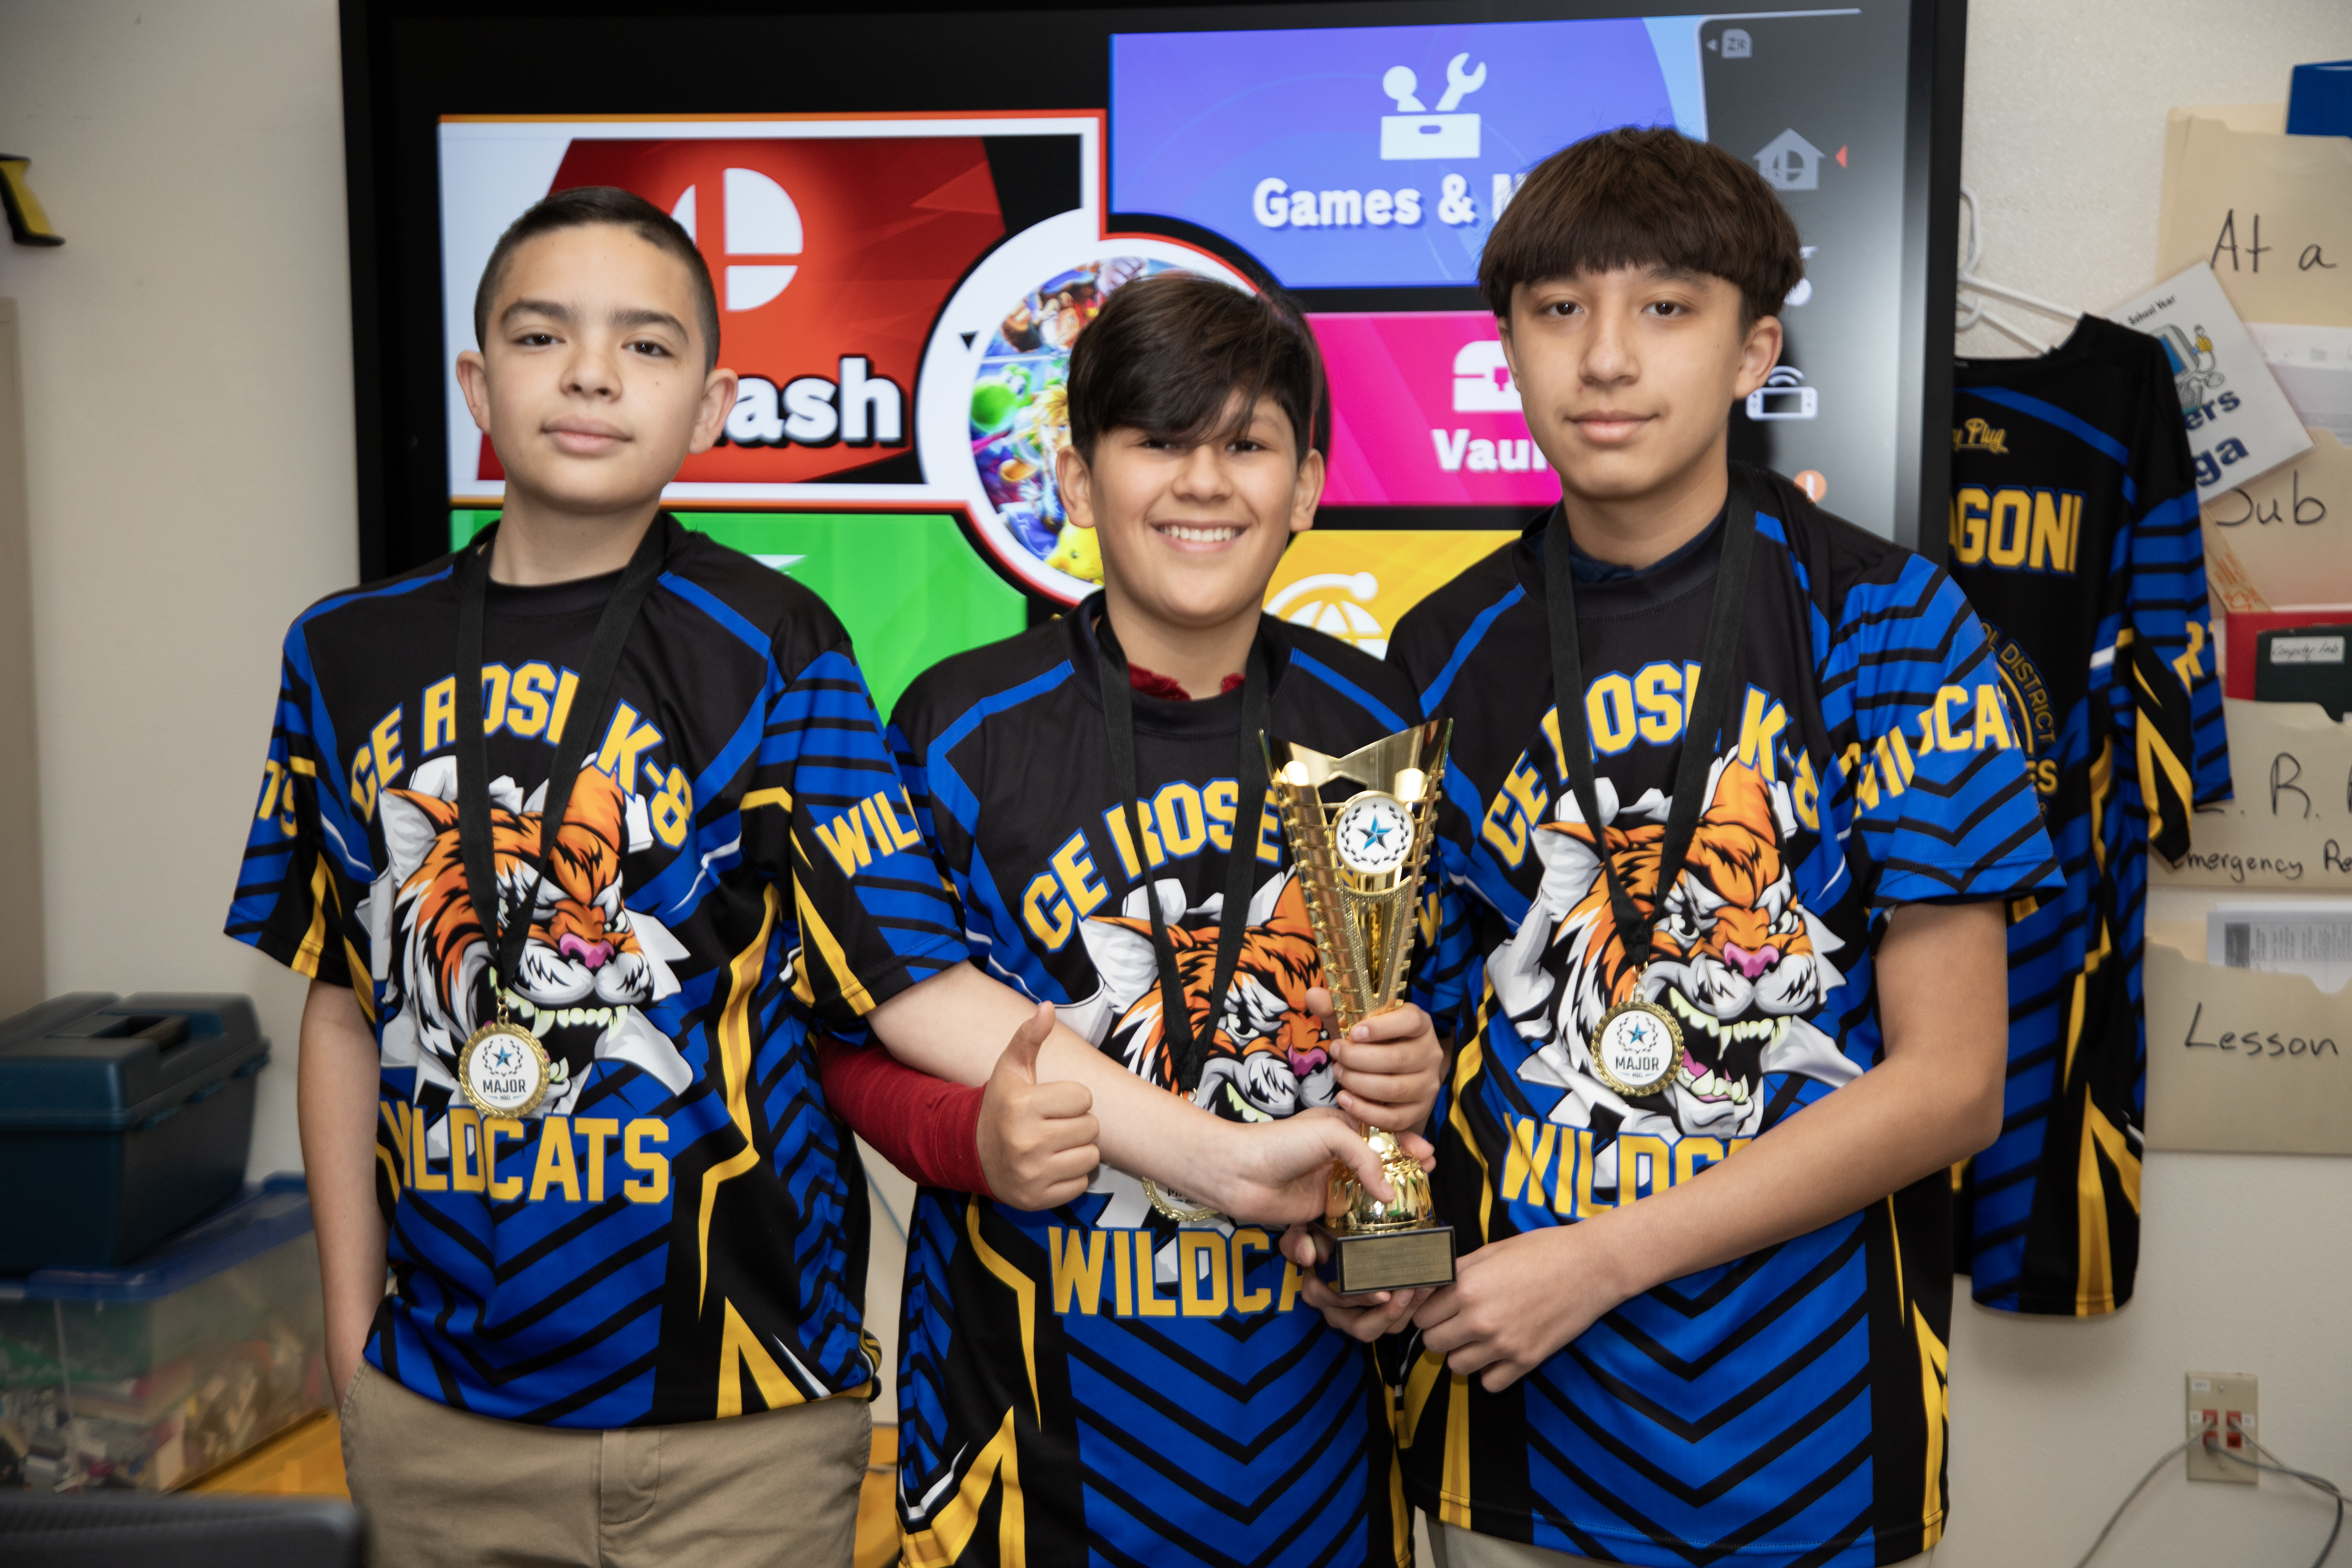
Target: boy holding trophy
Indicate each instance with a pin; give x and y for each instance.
(1735, 939)
(1132, 1373)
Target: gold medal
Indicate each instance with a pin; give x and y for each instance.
(1182, 1210)
(1635, 1048)
(503, 1070)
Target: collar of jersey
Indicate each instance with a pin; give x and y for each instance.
(577, 595)
(1636, 593)
(1204, 716)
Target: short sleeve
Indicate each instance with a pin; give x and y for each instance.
(1943, 807)
(825, 813)
(291, 901)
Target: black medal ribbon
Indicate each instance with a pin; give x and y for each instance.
(1702, 717)
(1189, 1054)
(474, 836)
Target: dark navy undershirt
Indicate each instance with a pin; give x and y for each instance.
(1586, 569)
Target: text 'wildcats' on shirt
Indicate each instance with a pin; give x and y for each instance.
(1214, 1274)
(532, 700)
(557, 1171)
(1566, 1167)
(1177, 823)
(1649, 706)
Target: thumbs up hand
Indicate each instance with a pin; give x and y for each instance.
(1037, 1139)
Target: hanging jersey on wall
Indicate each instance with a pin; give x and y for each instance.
(1095, 1382)
(1787, 1407)
(2074, 535)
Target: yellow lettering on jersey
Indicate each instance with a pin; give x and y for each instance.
(1183, 820)
(2052, 549)
(1692, 1156)
(554, 1167)
(1645, 1166)
(1115, 820)
(2188, 666)
(440, 715)
(1805, 793)
(1149, 1302)
(1201, 1261)
(1078, 877)
(1946, 738)
(654, 1186)
(1077, 1262)
(1293, 1281)
(1559, 751)
(1609, 714)
(1122, 1259)
(466, 1151)
(1221, 798)
(1526, 1160)
(527, 698)
(2010, 530)
(1656, 692)
(1247, 1240)
(892, 805)
(495, 677)
(624, 743)
(1269, 834)
(503, 1189)
(596, 1129)
(1969, 506)
(1993, 724)
(1761, 725)
(565, 689)
(395, 1115)
(422, 1177)
(844, 838)
(1046, 913)
(1515, 811)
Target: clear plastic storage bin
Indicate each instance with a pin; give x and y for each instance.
(147, 1374)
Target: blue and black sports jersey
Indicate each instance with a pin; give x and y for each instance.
(682, 1234)
(1095, 1382)
(1787, 1407)
(2074, 535)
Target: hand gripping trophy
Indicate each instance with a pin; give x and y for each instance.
(1360, 828)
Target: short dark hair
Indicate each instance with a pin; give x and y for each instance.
(1168, 352)
(1638, 196)
(579, 206)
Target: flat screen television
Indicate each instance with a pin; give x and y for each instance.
(910, 215)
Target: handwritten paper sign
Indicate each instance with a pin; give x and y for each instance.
(2291, 823)
(2245, 1062)
(2289, 533)
(2239, 423)
(2272, 215)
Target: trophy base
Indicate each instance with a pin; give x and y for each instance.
(1352, 1262)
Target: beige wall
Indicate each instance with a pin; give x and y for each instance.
(188, 423)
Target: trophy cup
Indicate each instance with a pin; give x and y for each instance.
(1360, 827)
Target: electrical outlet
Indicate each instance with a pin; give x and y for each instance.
(2223, 1403)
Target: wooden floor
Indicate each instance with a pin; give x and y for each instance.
(306, 1461)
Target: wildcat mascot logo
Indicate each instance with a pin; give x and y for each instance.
(1740, 961)
(588, 968)
(1267, 1057)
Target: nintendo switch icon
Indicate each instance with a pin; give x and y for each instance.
(1783, 395)
(1413, 133)
(1482, 380)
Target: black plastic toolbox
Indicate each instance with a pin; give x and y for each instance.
(120, 1121)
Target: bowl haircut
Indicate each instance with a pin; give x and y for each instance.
(1185, 358)
(1638, 196)
(577, 208)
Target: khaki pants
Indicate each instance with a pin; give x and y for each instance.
(441, 1488)
(1453, 1547)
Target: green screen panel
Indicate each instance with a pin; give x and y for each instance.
(910, 589)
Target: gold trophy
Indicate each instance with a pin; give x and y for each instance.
(1360, 827)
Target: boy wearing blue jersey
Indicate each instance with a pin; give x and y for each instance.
(578, 832)
(1730, 963)
(1130, 1375)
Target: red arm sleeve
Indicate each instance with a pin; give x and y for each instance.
(927, 1127)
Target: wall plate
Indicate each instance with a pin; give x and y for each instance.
(2217, 1402)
